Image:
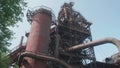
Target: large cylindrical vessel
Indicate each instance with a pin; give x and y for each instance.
(38, 39)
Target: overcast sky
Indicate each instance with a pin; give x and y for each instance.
(104, 14)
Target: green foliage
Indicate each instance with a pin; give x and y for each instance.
(16, 66)
(11, 12)
(4, 60)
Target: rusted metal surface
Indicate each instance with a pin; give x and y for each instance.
(43, 58)
(114, 41)
(66, 43)
(21, 41)
(38, 39)
(103, 65)
(74, 29)
(18, 49)
(114, 59)
(14, 54)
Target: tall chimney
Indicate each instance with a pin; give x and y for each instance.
(38, 39)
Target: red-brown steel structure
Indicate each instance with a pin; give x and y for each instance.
(66, 43)
(38, 39)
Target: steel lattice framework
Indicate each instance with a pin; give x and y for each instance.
(62, 43)
(72, 29)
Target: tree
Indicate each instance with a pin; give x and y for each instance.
(4, 60)
(11, 12)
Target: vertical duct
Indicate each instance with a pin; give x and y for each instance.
(38, 39)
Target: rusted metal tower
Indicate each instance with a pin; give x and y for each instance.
(52, 38)
(38, 40)
(75, 29)
(64, 43)
(71, 29)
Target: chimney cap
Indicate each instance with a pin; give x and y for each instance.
(42, 9)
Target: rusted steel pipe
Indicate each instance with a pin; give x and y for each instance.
(21, 41)
(43, 58)
(114, 41)
(38, 40)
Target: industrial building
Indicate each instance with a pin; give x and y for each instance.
(62, 43)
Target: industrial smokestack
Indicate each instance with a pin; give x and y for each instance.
(38, 39)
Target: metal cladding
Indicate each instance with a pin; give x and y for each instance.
(38, 39)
